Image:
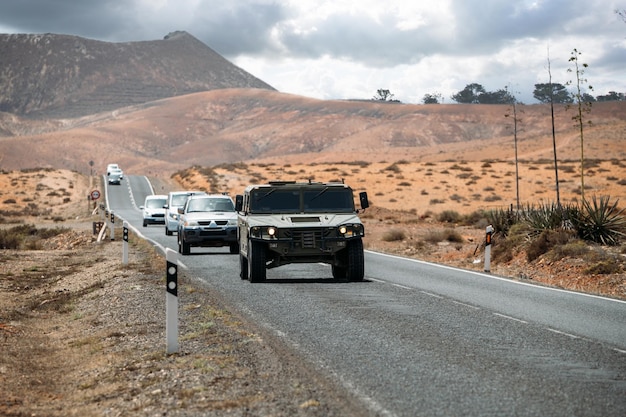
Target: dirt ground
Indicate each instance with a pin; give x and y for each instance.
(82, 334)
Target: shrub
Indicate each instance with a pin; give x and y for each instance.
(449, 216)
(546, 240)
(394, 235)
(452, 235)
(600, 221)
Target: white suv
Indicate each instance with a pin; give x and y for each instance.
(175, 200)
(207, 221)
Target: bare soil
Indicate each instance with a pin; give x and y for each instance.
(82, 334)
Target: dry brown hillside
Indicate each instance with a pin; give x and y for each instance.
(254, 125)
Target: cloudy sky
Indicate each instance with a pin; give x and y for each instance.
(343, 49)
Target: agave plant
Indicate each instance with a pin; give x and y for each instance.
(601, 221)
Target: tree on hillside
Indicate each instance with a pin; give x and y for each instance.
(551, 90)
(583, 108)
(514, 114)
(501, 96)
(432, 98)
(611, 96)
(552, 93)
(469, 95)
(383, 95)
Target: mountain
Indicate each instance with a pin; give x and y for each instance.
(156, 107)
(62, 76)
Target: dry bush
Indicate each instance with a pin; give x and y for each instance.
(394, 235)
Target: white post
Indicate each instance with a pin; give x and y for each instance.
(489, 233)
(171, 301)
(125, 244)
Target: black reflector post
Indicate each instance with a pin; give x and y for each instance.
(171, 301)
(125, 244)
(488, 237)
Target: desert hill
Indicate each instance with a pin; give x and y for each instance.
(62, 76)
(157, 107)
(230, 125)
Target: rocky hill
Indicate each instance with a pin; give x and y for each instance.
(161, 106)
(61, 76)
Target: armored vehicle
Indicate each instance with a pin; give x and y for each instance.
(300, 222)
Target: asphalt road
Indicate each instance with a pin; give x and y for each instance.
(423, 339)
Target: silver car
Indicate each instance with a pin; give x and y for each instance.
(207, 221)
(175, 200)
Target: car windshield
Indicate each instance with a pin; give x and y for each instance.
(327, 199)
(155, 203)
(179, 199)
(210, 204)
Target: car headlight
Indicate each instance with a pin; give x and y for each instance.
(351, 230)
(265, 232)
(190, 223)
(232, 222)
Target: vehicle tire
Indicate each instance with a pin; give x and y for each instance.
(145, 224)
(184, 247)
(339, 272)
(234, 248)
(243, 267)
(356, 261)
(256, 262)
(167, 231)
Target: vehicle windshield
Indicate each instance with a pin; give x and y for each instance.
(318, 200)
(179, 199)
(210, 204)
(155, 203)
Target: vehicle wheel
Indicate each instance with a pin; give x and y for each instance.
(145, 224)
(339, 272)
(234, 248)
(185, 248)
(256, 262)
(167, 231)
(243, 267)
(356, 261)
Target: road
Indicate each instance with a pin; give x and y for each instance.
(422, 339)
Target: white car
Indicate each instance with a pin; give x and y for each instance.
(115, 168)
(154, 209)
(115, 176)
(175, 200)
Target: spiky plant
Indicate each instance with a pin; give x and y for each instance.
(601, 221)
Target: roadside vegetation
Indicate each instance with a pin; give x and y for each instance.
(27, 236)
(592, 230)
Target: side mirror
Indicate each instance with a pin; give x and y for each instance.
(364, 201)
(181, 210)
(238, 202)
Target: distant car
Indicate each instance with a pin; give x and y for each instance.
(175, 200)
(154, 209)
(115, 176)
(207, 221)
(115, 167)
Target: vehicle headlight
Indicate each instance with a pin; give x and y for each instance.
(271, 231)
(232, 222)
(351, 230)
(190, 223)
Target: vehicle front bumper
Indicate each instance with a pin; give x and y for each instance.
(209, 236)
